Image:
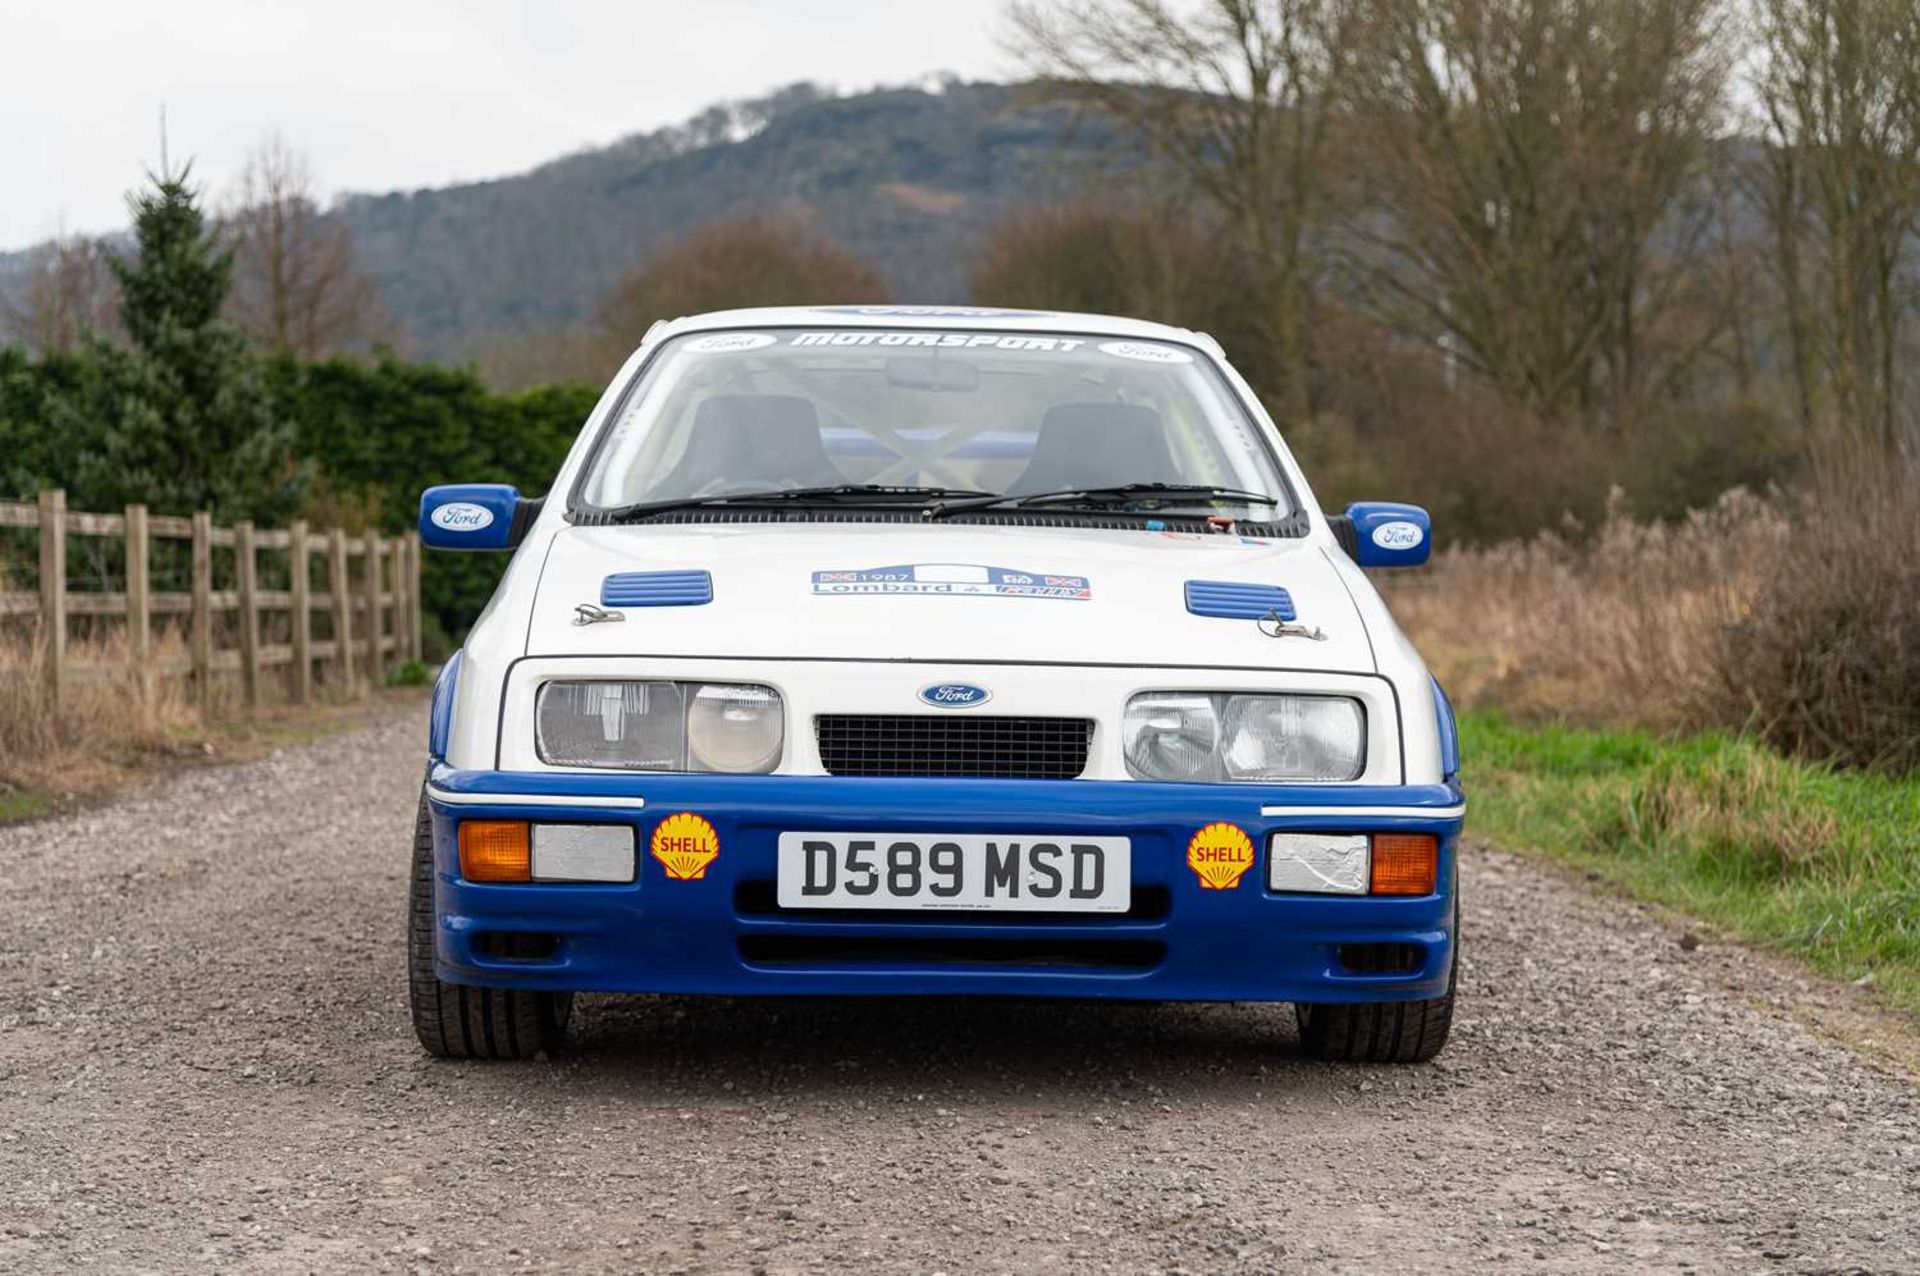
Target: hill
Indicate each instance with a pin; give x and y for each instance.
(908, 178)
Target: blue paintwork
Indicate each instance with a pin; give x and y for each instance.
(1391, 534)
(657, 589)
(440, 720)
(1449, 732)
(448, 521)
(659, 935)
(1238, 600)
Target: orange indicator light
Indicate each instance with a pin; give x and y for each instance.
(495, 851)
(1405, 863)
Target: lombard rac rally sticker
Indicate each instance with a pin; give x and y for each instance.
(1145, 352)
(956, 580)
(685, 844)
(1220, 854)
(462, 516)
(730, 342)
(1398, 535)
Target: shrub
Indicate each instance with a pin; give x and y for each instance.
(1826, 663)
(1795, 618)
(1620, 626)
(381, 432)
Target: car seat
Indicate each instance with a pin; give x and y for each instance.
(752, 442)
(1097, 445)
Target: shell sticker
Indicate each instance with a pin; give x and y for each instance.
(685, 844)
(1221, 854)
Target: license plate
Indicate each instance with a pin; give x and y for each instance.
(1042, 873)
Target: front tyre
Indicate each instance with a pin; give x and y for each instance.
(1380, 1031)
(454, 1021)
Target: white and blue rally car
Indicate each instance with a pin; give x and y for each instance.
(898, 650)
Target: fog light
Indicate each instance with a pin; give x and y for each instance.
(1320, 863)
(1405, 863)
(582, 853)
(495, 851)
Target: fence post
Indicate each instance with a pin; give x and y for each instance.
(397, 556)
(53, 593)
(376, 673)
(245, 566)
(342, 606)
(201, 618)
(413, 596)
(302, 612)
(140, 607)
(397, 553)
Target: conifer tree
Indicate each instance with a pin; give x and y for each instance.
(189, 422)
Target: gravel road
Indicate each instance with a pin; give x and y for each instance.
(205, 1063)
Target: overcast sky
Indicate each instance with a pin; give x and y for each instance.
(397, 94)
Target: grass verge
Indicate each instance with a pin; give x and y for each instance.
(1790, 855)
(67, 774)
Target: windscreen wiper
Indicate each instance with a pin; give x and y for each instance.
(879, 494)
(1160, 494)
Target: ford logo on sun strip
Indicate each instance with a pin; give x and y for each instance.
(955, 695)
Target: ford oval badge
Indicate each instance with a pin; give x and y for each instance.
(1398, 535)
(462, 516)
(955, 695)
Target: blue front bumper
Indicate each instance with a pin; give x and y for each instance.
(724, 933)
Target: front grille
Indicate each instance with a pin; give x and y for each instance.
(949, 745)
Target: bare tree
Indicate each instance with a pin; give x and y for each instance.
(66, 299)
(1838, 87)
(1238, 96)
(1153, 262)
(1534, 165)
(757, 261)
(296, 288)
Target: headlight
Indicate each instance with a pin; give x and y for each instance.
(1244, 739)
(734, 728)
(1171, 736)
(659, 726)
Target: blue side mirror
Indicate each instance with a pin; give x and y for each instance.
(473, 516)
(1387, 534)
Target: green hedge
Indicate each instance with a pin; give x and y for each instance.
(381, 432)
(369, 436)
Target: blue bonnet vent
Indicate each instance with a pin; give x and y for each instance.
(656, 589)
(1238, 600)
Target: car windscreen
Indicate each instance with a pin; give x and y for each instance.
(737, 413)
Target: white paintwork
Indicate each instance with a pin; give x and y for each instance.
(1369, 812)
(829, 653)
(449, 797)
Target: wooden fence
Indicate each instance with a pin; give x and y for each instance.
(373, 612)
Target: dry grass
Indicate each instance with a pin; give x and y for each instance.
(1797, 619)
(106, 737)
(103, 731)
(1626, 628)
